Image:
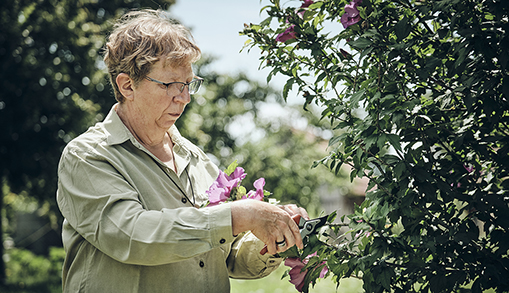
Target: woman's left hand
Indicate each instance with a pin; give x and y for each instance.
(294, 210)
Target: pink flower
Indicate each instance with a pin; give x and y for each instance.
(297, 275)
(306, 3)
(288, 34)
(221, 189)
(216, 194)
(238, 173)
(468, 168)
(258, 194)
(351, 15)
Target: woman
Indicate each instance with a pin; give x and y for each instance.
(130, 187)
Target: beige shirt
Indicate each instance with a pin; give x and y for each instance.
(130, 223)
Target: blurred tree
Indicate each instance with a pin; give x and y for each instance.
(52, 84)
(228, 119)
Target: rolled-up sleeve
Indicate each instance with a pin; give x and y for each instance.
(246, 262)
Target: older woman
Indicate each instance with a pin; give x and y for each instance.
(130, 187)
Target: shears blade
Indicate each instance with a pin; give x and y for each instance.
(308, 227)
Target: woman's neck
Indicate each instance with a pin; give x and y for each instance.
(156, 140)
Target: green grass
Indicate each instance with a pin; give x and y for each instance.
(274, 284)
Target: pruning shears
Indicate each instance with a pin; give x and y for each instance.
(306, 227)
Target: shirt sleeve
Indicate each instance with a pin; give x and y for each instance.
(106, 211)
(245, 260)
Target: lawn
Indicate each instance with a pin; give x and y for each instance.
(274, 284)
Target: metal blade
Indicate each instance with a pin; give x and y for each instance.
(311, 226)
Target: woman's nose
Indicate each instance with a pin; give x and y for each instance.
(184, 97)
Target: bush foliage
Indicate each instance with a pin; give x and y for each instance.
(419, 90)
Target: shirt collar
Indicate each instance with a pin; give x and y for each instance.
(118, 133)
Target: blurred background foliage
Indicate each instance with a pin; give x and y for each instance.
(53, 86)
(235, 118)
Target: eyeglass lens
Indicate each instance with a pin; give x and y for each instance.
(193, 86)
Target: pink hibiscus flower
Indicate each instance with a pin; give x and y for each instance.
(297, 275)
(221, 189)
(289, 33)
(258, 194)
(306, 3)
(351, 15)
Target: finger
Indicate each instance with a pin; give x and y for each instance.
(293, 209)
(304, 213)
(283, 245)
(293, 234)
(289, 208)
(289, 240)
(271, 247)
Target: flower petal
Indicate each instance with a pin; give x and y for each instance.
(239, 173)
(351, 15)
(293, 262)
(307, 3)
(324, 271)
(297, 277)
(259, 183)
(288, 34)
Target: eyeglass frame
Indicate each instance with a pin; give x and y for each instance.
(167, 84)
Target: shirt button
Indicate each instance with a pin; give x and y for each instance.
(202, 264)
(184, 200)
(222, 241)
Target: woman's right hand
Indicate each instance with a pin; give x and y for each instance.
(268, 222)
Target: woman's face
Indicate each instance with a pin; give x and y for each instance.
(156, 106)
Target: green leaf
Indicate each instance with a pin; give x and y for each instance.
(360, 43)
(385, 278)
(402, 29)
(241, 191)
(231, 168)
(288, 86)
(382, 138)
(394, 140)
(356, 97)
(377, 96)
(335, 140)
(308, 15)
(316, 5)
(400, 169)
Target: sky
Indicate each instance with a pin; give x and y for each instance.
(215, 26)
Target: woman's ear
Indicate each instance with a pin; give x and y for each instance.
(125, 85)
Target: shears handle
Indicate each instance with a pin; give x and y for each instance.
(296, 218)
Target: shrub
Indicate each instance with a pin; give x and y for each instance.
(27, 272)
(419, 90)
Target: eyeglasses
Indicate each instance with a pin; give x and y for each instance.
(193, 86)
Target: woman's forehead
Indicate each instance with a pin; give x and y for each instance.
(173, 71)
